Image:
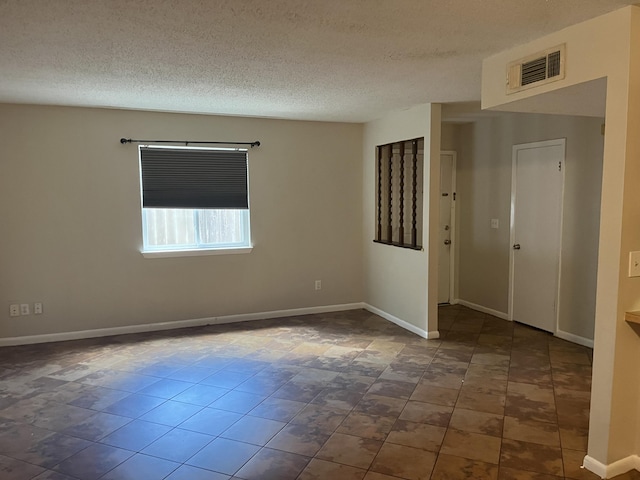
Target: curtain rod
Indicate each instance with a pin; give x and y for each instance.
(187, 142)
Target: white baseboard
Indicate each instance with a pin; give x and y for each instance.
(570, 337)
(632, 462)
(480, 308)
(152, 327)
(402, 323)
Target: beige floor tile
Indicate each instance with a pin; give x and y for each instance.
(404, 462)
(494, 372)
(531, 431)
(435, 395)
(477, 422)
(381, 405)
(574, 438)
(349, 450)
(321, 417)
(486, 385)
(507, 473)
(473, 446)
(531, 457)
(481, 402)
(299, 439)
(490, 359)
(560, 357)
(269, 463)
(322, 470)
(449, 467)
(531, 392)
(366, 426)
(418, 435)
(426, 413)
(536, 376)
(378, 476)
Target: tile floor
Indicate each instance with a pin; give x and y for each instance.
(337, 396)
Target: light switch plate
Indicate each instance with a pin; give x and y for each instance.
(495, 223)
(634, 264)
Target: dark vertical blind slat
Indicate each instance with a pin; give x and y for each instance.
(401, 197)
(390, 195)
(194, 178)
(379, 227)
(414, 193)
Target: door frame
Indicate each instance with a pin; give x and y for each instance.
(514, 154)
(453, 236)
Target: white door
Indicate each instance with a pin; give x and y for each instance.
(447, 218)
(536, 216)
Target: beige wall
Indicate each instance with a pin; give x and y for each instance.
(484, 192)
(605, 47)
(483, 185)
(70, 216)
(448, 137)
(398, 280)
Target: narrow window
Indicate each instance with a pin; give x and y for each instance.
(399, 168)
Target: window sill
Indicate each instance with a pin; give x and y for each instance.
(195, 253)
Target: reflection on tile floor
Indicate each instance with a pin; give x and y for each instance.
(344, 395)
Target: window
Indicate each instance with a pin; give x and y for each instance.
(194, 200)
(399, 168)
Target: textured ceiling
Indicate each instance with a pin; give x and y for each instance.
(338, 60)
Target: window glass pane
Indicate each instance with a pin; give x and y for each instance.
(166, 228)
(221, 226)
(169, 226)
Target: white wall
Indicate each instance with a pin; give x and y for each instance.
(71, 227)
(398, 280)
(484, 192)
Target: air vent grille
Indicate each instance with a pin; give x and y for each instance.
(534, 70)
(553, 64)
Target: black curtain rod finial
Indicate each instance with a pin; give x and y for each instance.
(125, 140)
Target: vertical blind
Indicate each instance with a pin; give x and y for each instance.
(399, 193)
(194, 178)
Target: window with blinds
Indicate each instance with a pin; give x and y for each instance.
(399, 186)
(194, 198)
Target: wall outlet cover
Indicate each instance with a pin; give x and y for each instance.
(634, 264)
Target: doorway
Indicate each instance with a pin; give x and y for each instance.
(446, 226)
(536, 221)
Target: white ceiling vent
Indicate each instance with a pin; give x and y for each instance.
(534, 70)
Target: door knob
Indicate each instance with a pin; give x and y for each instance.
(516, 246)
(447, 242)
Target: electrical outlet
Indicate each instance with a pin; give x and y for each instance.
(24, 309)
(318, 284)
(495, 223)
(37, 308)
(14, 310)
